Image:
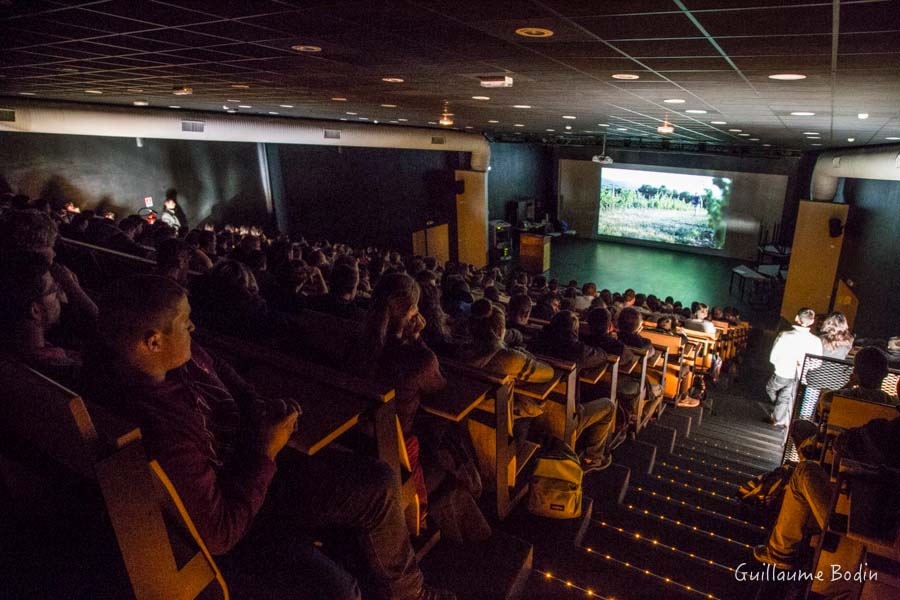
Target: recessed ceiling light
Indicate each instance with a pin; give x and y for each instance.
(141, 103)
(468, 127)
(810, 133)
(851, 139)
(231, 111)
(754, 139)
(351, 113)
(432, 122)
(534, 32)
(787, 76)
(518, 125)
(389, 106)
(551, 130)
(135, 90)
(339, 99)
(363, 118)
(568, 127)
(306, 48)
(272, 112)
(392, 79)
(173, 106)
(892, 138)
(674, 101)
(602, 124)
(235, 101)
(240, 86)
(815, 144)
(735, 130)
(394, 122)
(803, 113)
(343, 119)
(863, 115)
(286, 105)
(27, 93)
(481, 97)
(521, 106)
(92, 92)
(626, 76)
(621, 129)
(767, 145)
(493, 121)
(719, 122)
(695, 111)
(569, 117)
(744, 134)
(403, 120)
(244, 106)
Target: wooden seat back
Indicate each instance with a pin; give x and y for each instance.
(847, 413)
(137, 493)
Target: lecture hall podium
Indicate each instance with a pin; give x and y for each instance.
(534, 252)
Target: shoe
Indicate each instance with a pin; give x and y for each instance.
(688, 402)
(596, 464)
(762, 554)
(432, 593)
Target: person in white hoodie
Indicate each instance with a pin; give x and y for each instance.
(787, 357)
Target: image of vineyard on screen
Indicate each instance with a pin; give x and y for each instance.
(671, 208)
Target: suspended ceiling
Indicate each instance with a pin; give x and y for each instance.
(714, 55)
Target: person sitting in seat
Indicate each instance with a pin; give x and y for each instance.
(588, 294)
(437, 334)
(173, 258)
(594, 418)
(699, 321)
(630, 324)
(340, 300)
(30, 304)
(219, 443)
(870, 367)
(518, 311)
(810, 490)
(602, 337)
(547, 306)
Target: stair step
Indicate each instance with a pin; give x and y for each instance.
(696, 414)
(688, 569)
(697, 539)
(703, 460)
(724, 504)
(661, 436)
(499, 567)
(575, 571)
(636, 455)
(749, 464)
(688, 465)
(681, 422)
(727, 525)
(707, 482)
(608, 486)
(548, 534)
(761, 451)
(744, 431)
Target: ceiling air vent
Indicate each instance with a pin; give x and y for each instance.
(192, 126)
(436, 139)
(332, 134)
(7, 114)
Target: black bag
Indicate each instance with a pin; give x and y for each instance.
(766, 490)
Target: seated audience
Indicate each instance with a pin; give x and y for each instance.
(547, 306)
(870, 367)
(340, 300)
(173, 257)
(518, 311)
(219, 443)
(30, 304)
(836, 337)
(437, 333)
(588, 294)
(699, 321)
(809, 491)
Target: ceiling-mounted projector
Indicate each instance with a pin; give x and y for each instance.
(496, 81)
(602, 159)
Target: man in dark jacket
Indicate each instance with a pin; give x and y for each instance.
(219, 443)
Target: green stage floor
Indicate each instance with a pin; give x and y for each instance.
(684, 276)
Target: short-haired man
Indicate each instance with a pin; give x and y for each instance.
(340, 300)
(30, 304)
(787, 358)
(218, 442)
(518, 311)
(870, 367)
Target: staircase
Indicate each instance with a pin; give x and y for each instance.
(665, 520)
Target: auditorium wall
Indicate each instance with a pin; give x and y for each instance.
(376, 196)
(519, 172)
(218, 182)
(871, 254)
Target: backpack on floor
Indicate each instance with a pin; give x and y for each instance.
(766, 490)
(556, 483)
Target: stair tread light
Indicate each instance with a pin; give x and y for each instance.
(803, 113)
(626, 76)
(534, 32)
(695, 111)
(392, 79)
(674, 101)
(306, 48)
